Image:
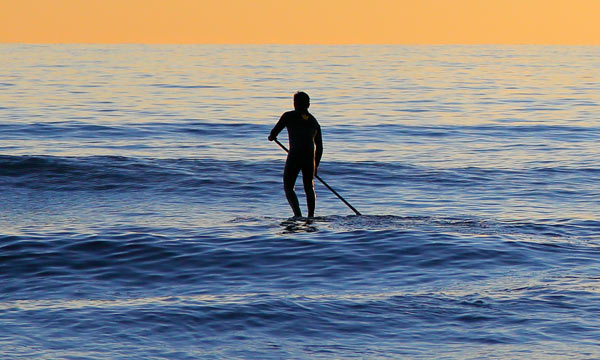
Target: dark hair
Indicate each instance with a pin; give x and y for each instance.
(301, 100)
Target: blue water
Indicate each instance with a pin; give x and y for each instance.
(142, 213)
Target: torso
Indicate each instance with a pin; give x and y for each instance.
(302, 129)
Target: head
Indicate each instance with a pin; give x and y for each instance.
(301, 101)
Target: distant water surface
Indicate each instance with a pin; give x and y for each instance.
(142, 213)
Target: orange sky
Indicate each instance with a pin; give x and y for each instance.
(301, 21)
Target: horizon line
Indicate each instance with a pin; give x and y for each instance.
(297, 44)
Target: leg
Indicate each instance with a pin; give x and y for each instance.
(308, 172)
(290, 174)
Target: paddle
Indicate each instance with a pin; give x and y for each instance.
(324, 183)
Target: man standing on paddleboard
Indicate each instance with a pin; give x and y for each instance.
(306, 149)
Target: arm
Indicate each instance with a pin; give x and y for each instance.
(318, 148)
(278, 127)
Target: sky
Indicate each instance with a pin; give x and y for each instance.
(574, 22)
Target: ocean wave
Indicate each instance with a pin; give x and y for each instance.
(117, 172)
(338, 252)
(489, 132)
(358, 277)
(77, 130)
(120, 173)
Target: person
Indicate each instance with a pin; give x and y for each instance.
(305, 151)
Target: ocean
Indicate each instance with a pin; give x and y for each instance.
(142, 213)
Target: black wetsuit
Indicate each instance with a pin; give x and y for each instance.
(306, 149)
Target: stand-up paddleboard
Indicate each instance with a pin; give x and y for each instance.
(298, 224)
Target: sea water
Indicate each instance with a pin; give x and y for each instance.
(142, 212)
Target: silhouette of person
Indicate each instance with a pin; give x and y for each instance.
(306, 149)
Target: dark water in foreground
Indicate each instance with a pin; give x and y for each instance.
(142, 213)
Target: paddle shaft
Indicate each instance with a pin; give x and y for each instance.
(324, 183)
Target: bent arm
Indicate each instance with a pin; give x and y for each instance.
(277, 129)
(318, 147)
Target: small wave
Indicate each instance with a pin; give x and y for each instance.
(73, 130)
(67, 130)
(131, 174)
(552, 230)
(179, 86)
(230, 130)
(341, 250)
(47, 172)
(506, 131)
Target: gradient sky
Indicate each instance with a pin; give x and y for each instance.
(301, 22)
